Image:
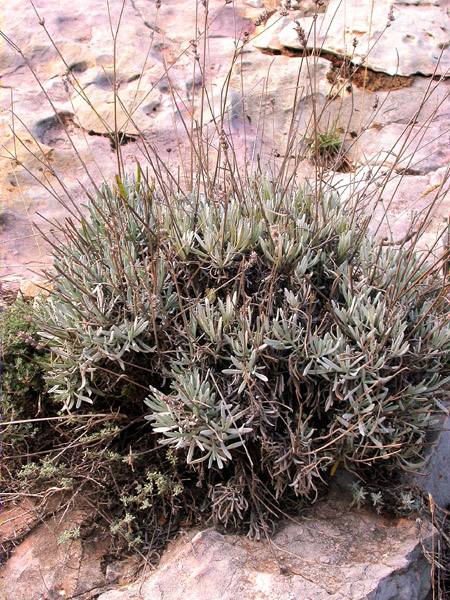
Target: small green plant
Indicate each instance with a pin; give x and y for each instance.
(22, 369)
(158, 494)
(271, 338)
(397, 498)
(69, 535)
(22, 382)
(221, 350)
(326, 144)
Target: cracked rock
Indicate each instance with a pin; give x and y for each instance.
(412, 39)
(43, 567)
(333, 554)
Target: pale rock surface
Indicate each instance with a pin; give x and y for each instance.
(408, 127)
(397, 201)
(41, 167)
(256, 101)
(414, 42)
(268, 38)
(332, 554)
(76, 82)
(255, 3)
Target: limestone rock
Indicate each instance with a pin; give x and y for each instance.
(333, 554)
(44, 566)
(271, 86)
(154, 58)
(409, 148)
(415, 41)
(268, 39)
(31, 289)
(398, 202)
(16, 521)
(435, 476)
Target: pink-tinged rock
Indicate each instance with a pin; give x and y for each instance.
(399, 204)
(333, 554)
(47, 157)
(74, 148)
(16, 521)
(43, 566)
(414, 149)
(412, 39)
